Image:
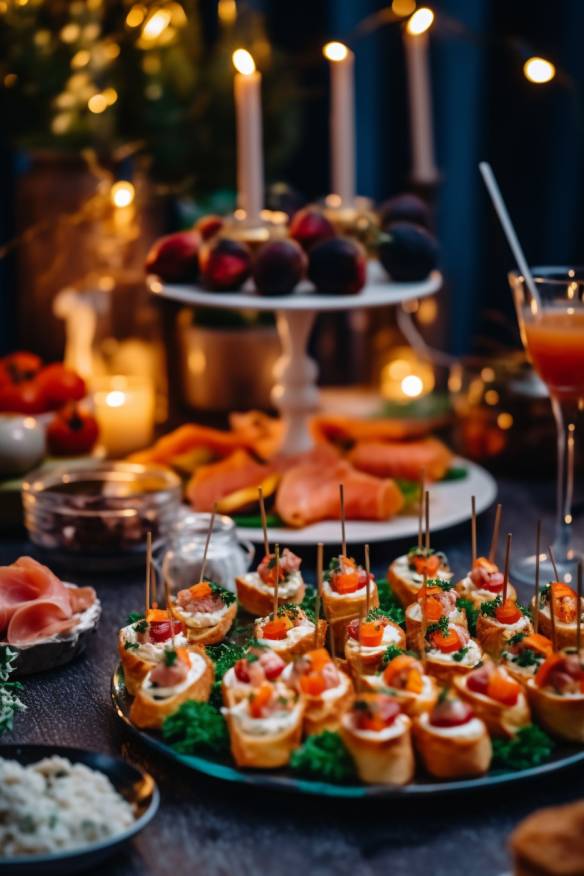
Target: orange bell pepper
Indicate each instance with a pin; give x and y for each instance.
(259, 699)
(318, 658)
(276, 629)
(200, 590)
(346, 582)
(395, 666)
(432, 609)
(447, 643)
(415, 682)
(508, 613)
(312, 684)
(547, 667)
(371, 634)
(155, 615)
(538, 643)
(503, 690)
(427, 565)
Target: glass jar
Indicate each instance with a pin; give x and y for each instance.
(227, 559)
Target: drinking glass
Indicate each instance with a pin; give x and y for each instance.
(552, 331)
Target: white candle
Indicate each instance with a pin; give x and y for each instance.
(342, 121)
(250, 163)
(124, 408)
(416, 44)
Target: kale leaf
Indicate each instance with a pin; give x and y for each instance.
(323, 756)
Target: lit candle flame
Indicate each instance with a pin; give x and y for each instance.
(122, 194)
(243, 62)
(335, 51)
(420, 22)
(539, 70)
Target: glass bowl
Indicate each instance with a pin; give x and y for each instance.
(98, 515)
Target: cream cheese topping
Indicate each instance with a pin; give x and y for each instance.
(399, 726)
(286, 589)
(276, 723)
(196, 670)
(470, 658)
(152, 652)
(473, 729)
(402, 568)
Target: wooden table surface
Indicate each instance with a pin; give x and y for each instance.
(207, 827)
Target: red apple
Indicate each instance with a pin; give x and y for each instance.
(175, 258)
(310, 226)
(225, 264)
(278, 267)
(210, 225)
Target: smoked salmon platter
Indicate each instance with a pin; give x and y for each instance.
(420, 682)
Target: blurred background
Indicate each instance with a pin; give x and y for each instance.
(118, 126)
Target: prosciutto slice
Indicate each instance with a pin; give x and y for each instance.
(41, 619)
(428, 458)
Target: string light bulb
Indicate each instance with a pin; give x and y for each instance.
(420, 21)
(156, 24)
(539, 70)
(122, 194)
(97, 103)
(335, 51)
(243, 62)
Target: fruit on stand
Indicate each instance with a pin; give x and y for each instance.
(407, 252)
(72, 432)
(405, 207)
(310, 226)
(175, 258)
(278, 267)
(209, 226)
(338, 266)
(225, 264)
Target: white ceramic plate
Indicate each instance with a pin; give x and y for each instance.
(450, 504)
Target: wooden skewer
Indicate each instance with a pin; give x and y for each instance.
(368, 585)
(506, 569)
(277, 578)
(421, 515)
(207, 541)
(495, 538)
(553, 562)
(424, 624)
(579, 612)
(343, 533)
(473, 530)
(148, 568)
(537, 553)
(264, 521)
(360, 645)
(427, 516)
(319, 567)
(553, 618)
(169, 609)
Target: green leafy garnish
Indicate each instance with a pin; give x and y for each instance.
(528, 748)
(410, 490)
(197, 728)
(455, 473)
(440, 626)
(131, 646)
(226, 595)
(390, 653)
(10, 703)
(308, 604)
(389, 604)
(170, 657)
(134, 617)
(141, 626)
(472, 613)
(460, 655)
(224, 656)
(517, 638)
(489, 607)
(323, 756)
(441, 583)
(528, 657)
(289, 609)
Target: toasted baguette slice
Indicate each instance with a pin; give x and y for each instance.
(405, 587)
(562, 716)
(295, 644)
(565, 633)
(349, 605)
(136, 667)
(384, 757)
(258, 599)
(266, 750)
(501, 720)
(414, 624)
(445, 669)
(493, 636)
(206, 635)
(325, 712)
(362, 659)
(453, 752)
(468, 590)
(148, 712)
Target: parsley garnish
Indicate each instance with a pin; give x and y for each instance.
(389, 604)
(288, 609)
(472, 613)
(440, 626)
(197, 728)
(131, 646)
(517, 638)
(134, 616)
(323, 756)
(489, 607)
(544, 595)
(529, 747)
(528, 657)
(10, 703)
(141, 626)
(441, 583)
(170, 657)
(224, 656)
(226, 595)
(460, 655)
(308, 604)
(390, 653)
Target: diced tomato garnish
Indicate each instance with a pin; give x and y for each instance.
(241, 670)
(508, 613)
(346, 582)
(312, 683)
(276, 629)
(371, 634)
(160, 631)
(200, 591)
(156, 614)
(448, 642)
(503, 690)
(272, 664)
(553, 662)
(259, 699)
(353, 628)
(451, 713)
(478, 680)
(318, 658)
(427, 565)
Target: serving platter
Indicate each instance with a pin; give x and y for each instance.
(450, 504)
(564, 756)
(135, 785)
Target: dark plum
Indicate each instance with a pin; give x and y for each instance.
(310, 226)
(338, 266)
(278, 267)
(407, 252)
(406, 207)
(225, 264)
(175, 258)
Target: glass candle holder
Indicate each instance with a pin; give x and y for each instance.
(125, 410)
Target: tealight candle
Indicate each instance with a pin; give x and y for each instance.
(124, 408)
(342, 123)
(250, 163)
(416, 44)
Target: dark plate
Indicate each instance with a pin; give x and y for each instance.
(283, 780)
(135, 785)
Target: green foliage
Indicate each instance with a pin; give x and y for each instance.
(197, 728)
(489, 607)
(389, 604)
(528, 748)
(308, 604)
(224, 656)
(323, 756)
(10, 703)
(528, 657)
(472, 613)
(134, 617)
(460, 655)
(226, 595)
(441, 583)
(441, 626)
(390, 653)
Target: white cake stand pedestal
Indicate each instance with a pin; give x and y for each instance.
(295, 393)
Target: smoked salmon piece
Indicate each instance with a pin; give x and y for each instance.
(345, 431)
(211, 483)
(309, 491)
(185, 439)
(428, 458)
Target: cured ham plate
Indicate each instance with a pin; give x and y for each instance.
(564, 756)
(450, 505)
